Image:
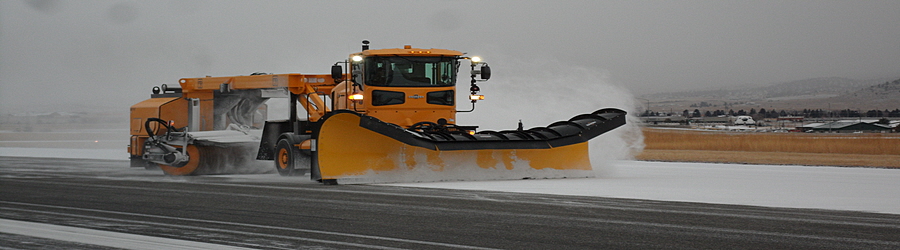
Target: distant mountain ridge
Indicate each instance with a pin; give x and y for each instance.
(836, 92)
(827, 86)
(887, 88)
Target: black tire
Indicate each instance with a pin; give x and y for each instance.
(286, 158)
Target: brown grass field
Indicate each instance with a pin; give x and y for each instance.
(813, 149)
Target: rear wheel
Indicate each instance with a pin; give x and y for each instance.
(288, 159)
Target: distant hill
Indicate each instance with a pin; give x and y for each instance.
(885, 95)
(816, 93)
(830, 86)
(887, 88)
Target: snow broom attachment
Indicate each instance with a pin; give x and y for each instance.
(230, 151)
(353, 148)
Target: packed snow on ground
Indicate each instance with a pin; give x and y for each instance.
(67, 153)
(836, 188)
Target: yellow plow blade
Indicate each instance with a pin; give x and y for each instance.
(359, 149)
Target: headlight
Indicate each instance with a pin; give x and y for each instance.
(357, 58)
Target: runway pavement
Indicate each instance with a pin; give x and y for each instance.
(274, 212)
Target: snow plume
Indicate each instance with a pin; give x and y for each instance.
(622, 143)
(233, 158)
(540, 92)
(230, 151)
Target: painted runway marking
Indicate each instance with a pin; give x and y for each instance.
(102, 238)
(241, 225)
(605, 221)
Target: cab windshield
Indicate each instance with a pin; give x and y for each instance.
(410, 71)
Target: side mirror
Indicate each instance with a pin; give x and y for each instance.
(337, 72)
(485, 72)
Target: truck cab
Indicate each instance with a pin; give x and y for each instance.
(403, 86)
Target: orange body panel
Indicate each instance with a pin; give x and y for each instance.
(410, 52)
(310, 87)
(341, 93)
(414, 109)
(318, 82)
(169, 109)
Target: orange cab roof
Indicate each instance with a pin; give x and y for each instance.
(410, 51)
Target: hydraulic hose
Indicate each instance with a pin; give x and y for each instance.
(170, 155)
(150, 131)
(168, 126)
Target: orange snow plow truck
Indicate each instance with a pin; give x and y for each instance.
(382, 115)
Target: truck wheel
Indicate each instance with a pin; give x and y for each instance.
(287, 158)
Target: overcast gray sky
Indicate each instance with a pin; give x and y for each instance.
(69, 55)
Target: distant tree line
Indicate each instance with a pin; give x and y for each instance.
(763, 113)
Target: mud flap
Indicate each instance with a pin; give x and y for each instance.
(360, 149)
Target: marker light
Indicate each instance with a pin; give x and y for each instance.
(356, 97)
(475, 59)
(472, 132)
(357, 58)
(476, 97)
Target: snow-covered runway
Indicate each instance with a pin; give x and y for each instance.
(836, 188)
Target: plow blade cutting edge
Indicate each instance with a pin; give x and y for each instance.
(352, 148)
